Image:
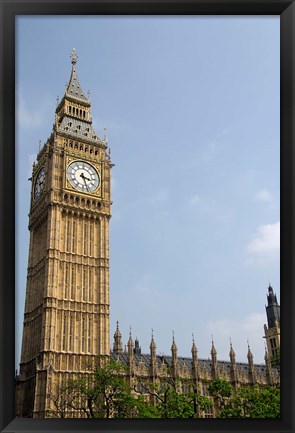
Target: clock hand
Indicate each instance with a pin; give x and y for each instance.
(84, 178)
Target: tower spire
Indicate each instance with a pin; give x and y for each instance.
(74, 56)
(74, 89)
(117, 347)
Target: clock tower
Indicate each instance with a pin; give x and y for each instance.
(66, 319)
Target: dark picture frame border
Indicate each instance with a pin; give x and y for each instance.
(9, 9)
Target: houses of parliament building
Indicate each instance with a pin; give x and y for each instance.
(67, 308)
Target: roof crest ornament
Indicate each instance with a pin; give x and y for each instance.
(74, 56)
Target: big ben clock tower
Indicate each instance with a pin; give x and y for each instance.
(66, 319)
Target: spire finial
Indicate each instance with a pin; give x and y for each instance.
(74, 56)
(130, 331)
(231, 346)
(193, 337)
(249, 350)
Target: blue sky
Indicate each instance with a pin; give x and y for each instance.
(191, 108)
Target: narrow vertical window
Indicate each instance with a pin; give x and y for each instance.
(89, 335)
(83, 335)
(85, 239)
(68, 236)
(71, 334)
(90, 239)
(74, 237)
(90, 285)
(73, 282)
(66, 283)
(64, 332)
(84, 285)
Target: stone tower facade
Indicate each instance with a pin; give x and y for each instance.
(272, 329)
(66, 319)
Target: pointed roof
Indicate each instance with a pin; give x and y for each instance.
(130, 341)
(72, 121)
(173, 347)
(194, 347)
(74, 89)
(117, 333)
(271, 297)
(153, 344)
(213, 350)
(231, 352)
(249, 354)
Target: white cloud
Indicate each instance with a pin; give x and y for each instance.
(264, 195)
(194, 200)
(265, 247)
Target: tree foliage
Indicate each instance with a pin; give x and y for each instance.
(246, 402)
(103, 394)
(106, 393)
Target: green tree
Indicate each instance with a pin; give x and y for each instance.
(103, 394)
(106, 394)
(221, 391)
(170, 402)
(253, 403)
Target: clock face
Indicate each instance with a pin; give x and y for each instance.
(39, 184)
(83, 176)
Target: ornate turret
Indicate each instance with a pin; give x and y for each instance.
(214, 361)
(195, 365)
(233, 370)
(174, 357)
(272, 329)
(137, 348)
(130, 349)
(251, 366)
(73, 113)
(194, 352)
(117, 347)
(272, 308)
(153, 359)
(153, 347)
